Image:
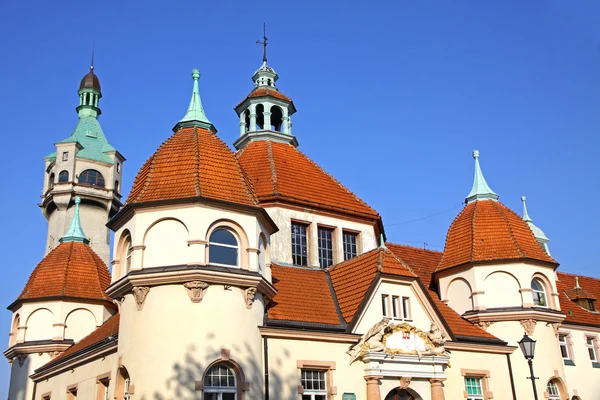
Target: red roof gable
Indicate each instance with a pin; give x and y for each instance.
(575, 313)
(192, 162)
(72, 269)
(280, 172)
(488, 230)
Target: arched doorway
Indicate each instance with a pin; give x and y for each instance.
(402, 394)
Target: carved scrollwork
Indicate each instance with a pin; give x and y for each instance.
(555, 327)
(484, 324)
(196, 290)
(139, 294)
(529, 325)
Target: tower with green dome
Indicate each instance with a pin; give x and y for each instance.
(85, 165)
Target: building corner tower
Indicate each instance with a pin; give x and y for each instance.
(84, 165)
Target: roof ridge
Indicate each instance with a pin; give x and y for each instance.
(273, 168)
(473, 218)
(448, 234)
(244, 178)
(150, 161)
(413, 247)
(67, 268)
(401, 261)
(197, 159)
(512, 235)
(578, 275)
(98, 266)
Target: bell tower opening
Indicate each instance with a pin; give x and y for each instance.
(276, 118)
(260, 117)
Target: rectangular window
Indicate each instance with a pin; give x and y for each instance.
(350, 248)
(589, 342)
(118, 167)
(473, 388)
(396, 307)
(385, 305)
(564, 347)
(406, 308)
(102, 389)
(314, 384)
(72, 394)
(65, 156)
(325, 237)
(299, 244)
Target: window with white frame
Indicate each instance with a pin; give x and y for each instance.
(65, 156)
(539, 294)
(406, 314)
(220, 383)
(589, 342)
(553, 392)
(396, 307)
(223, 248)
(385, 305)
(350, 240)
(564, 346)
(314, 384)
(299, 244)
(473, 388)
(325, 242)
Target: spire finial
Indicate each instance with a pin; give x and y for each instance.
(480, 189)
(195, 115)
(264, 42)
(577, 283)
(92, 64)
(75, 233)
(526, 217)
(381, 242)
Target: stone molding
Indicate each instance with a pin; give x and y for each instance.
(516, 314)
(139, 294)
(528, 325)
(196, 290)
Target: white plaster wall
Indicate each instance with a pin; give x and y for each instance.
(79, 323)
(502, 290)
(20, 386)
(84, 376)
(281, 245)
(166, 244)
(582, 378)
(168, 345)
(459, 296)
(39, 323)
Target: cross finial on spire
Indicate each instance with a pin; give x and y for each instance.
(480, 189)
(75, 233)
(264, 42)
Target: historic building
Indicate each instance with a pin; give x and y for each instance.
(255, 274)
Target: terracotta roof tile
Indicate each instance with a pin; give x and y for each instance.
(265, 92)
(109, 328)
(488, 230)
(192, 162)
(72, 269)
(279, 171)
(574, 312)
(303, 295)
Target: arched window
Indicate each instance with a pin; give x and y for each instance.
(128, 253)
(51, 181)
(553, 392)
(63, 177)
(260, 117)
(247, 120)
(91, 177)
(116, 186)
(220, 383)
(276, 118)
(539, 294)
(223, 248)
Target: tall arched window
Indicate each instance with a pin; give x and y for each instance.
(223, 248)
(539, 294)
(260, 117)
(553, 392)
(51, 181)
(220, 383)
(276, 118)
(63, 177)
(128, 253)
(117, 186)
(91, 177)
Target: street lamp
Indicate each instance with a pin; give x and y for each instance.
(527, 346)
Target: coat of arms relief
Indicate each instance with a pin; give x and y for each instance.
(403, 338)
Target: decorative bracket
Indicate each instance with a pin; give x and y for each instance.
(528, 325)
(484, 324)
(249, 296)
(405, 382)
(139, 294)
(555, 327)
(196, 290)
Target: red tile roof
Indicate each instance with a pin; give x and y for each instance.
(575, 313)
(280, 172)
(109, 328)
(423, 263)
(488, 230)
(72, 269)
(352, 279)
(300, 293)
(192, 162)
(265, 92)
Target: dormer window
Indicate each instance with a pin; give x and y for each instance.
(65, 156)
(539, 294)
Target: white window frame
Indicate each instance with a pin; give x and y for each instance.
(221, 389)
(65, 156)
(591, 347)
(553, 396)
(396, 310)
(542, 292)
(481, 388)
(385, 305)
(232, 232)
(564, 343)
(406, 311)
(314, 392)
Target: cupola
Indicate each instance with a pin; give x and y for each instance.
(537, 232)
(89, 95)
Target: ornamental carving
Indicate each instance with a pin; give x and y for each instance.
(385, 336)
(484, 324)
(405, 382)
(555, 327)
(139, 294)
(249, 296)
(196, 290)
(528, 325)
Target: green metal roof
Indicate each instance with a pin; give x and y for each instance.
(75, 232)
(480, 190)
(94, 146)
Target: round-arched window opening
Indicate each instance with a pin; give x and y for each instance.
(220, 383)
(553, 391)
(117, 186)
(260, 117)
(276, 118)
(51, 181)
(128, 252)
(91, 177)
(63, 177)
(223, 248)
(539, 294)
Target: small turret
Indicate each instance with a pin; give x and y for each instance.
(195, 115)
(540, 236)
(480, 189)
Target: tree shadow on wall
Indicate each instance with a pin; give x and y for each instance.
(181, 384)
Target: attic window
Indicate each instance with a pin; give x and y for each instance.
(90, 133)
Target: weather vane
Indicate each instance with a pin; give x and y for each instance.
(264, 42)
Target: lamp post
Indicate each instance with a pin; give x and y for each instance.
(527, 346)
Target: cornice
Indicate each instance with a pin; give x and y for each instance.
(514, 314)
(38, 346)
(304, 334)
(480, 348)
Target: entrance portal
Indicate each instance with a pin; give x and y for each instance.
(402, 394)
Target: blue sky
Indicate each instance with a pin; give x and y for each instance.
(392, 97)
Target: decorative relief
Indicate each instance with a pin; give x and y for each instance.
(140, 293)
(385, 336)
(405, 382)
(196, 290)
(249, 296)
(484, 324)
(528, 325)
(555, 327)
